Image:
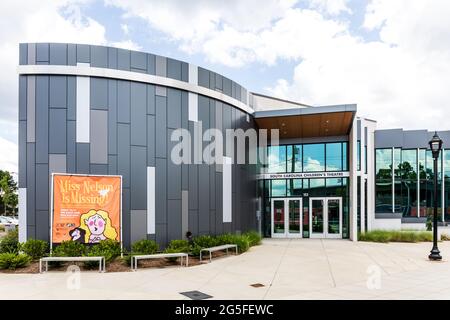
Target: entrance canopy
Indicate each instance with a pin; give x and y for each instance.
(308, 122)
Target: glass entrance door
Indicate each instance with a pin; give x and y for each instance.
(287, 218)
(325, 216)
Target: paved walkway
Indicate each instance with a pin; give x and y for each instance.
(288, 269)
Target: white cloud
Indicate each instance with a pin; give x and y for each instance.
(331, 7)
(125, 28)
(126, 44)
(8, 155)
(36, 21)
(400, 80)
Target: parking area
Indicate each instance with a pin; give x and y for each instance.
(278, 269)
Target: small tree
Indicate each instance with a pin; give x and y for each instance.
(8, 191)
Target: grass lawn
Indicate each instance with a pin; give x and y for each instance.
(396, 236)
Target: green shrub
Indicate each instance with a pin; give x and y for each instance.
(253, 237)
(36, 249)
(179, 245)
(176, 246)
(144, 246)
(10, 242)
(396, 236)
(140, 247)
(2, 228)
(203, 242)
(445, 237)
(13, 260)
(69, 248)
(242, 241)
(110, 249)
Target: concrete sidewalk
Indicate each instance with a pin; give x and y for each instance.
(288, 269)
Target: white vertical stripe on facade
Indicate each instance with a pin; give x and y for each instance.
(227, 190)
(193, 74)
(151, 208)
(31, 108)
(193, 106)
(393, 179)
(371, 126)
(22, 214)
(82, 112)
(353, 182)
(363, 148)
(443, 185)
(418, 181)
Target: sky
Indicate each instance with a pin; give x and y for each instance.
(390, 57)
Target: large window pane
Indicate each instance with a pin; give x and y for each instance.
(298, 158)
(289, 159)
(276, 159)
(344, 156)
(447, 163)
(316, 187)
(278, 188)
(398, 183)
(294, 187)
(406, 183)
(408, 166)
(334, 156)
(383, 164)
(313, 157)
(358, 155)
(383, 180)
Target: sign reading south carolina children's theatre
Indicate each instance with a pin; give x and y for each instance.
(86, 208)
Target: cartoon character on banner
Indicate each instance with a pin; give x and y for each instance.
(97, 226)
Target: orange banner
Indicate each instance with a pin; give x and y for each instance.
(86, 209)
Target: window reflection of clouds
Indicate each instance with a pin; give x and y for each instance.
(447, 163)
(307, 158)
(277, 159)
(278, 188)
(334, 158)
(313, 157)
(383, 159)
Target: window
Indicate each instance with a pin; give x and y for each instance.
(316, 157)
(317, 187)
(383, 180)
(294, 187)
(334, 156)
(358, 156)
(344, 156)
(297, 158)
(278, 188)
(406, 183)
(276, 159)
(365, 159)
(294, 158)
(313, 157)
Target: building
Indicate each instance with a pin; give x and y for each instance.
(102, 110)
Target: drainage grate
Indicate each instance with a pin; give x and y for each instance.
(196, 295)
(257, 285)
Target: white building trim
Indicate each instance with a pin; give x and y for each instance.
(227, 191)
(83, 109)
(22, 214)
(151, 200)
(87, 71)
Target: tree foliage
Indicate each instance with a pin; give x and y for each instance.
(8, 192)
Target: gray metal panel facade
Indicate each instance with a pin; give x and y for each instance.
(408, 139)
(131, 125)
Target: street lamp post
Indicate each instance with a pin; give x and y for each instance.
(435, 146)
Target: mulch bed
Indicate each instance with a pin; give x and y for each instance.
(118, 265)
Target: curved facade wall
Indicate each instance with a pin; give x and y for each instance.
(107, 125)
